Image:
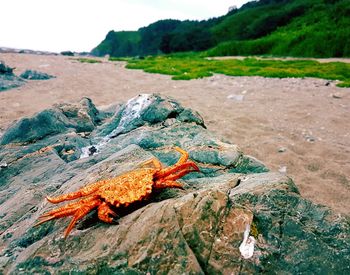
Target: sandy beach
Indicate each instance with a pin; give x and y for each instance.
(295, 126)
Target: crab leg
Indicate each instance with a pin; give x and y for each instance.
(157, 164)
(169, 181)
(175, 168)
(104, 213)
(181, 173)
(63, 211)
(85, 191)
(81, 213)
(168, 184)
(77, 209)
(59, 214)
(179, 165)
(184, 155)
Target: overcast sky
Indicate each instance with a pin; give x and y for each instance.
(80, 25)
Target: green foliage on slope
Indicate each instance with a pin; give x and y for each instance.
(257, 19)
(323, 30)
(308, 28)
(122, 43)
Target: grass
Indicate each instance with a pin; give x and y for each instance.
(87, 60)
(306, 42)
(192, 66)
(121, 58)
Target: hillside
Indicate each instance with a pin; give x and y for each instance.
(310, 28)
(124, 43)
(307, 28)
(163, 36)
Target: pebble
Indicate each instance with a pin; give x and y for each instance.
(282, 149)
(336, 95)
(169, 122)
(310, 139)
(84, 134)
(235, 97)
(283, 169)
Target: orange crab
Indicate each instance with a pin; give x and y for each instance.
(119, 191)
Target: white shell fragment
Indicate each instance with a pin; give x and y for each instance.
(247, 246)
(235, 97)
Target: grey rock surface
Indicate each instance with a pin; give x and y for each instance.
(8, 79)
(5, 69)
(35, 75)
(198, 230)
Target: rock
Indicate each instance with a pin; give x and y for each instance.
(235, 97)
(294, 235)
(8, 79)
(337, 95)
(35, 75)
(233, 217)
(81, 117)
(282, 149)
(144, 110)
(310, 138)
(283, 169)
(5, 69)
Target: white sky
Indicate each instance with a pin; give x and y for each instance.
(80, 25)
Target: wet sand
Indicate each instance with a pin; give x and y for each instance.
(297, 126)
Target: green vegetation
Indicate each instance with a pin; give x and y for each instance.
(87, 60)
(301, 28)
(124, 43)
(120, 58)
(191, 66)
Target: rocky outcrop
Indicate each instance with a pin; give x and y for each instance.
(64, 118)
(8, 79)
(5, 69)
(35, 75)
(233, 217)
